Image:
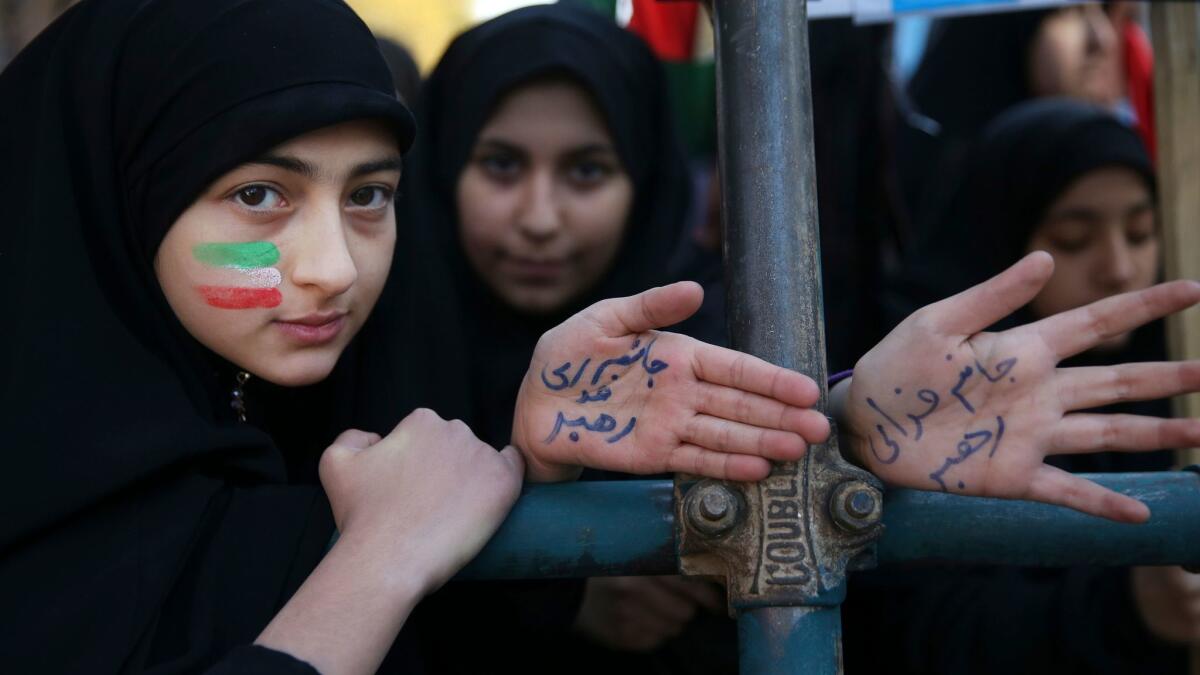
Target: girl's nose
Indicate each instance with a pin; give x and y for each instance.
(322, 257)
(540, 217)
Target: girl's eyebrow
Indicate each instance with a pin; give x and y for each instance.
(393, 163)
(288, 163)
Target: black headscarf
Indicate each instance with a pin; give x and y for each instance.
(1004, 619)
(628, 87)
(1024, 160)
(476, 361)
(143, 525)
(974, 68)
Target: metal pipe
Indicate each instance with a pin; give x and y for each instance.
(627, 527)
(772, 249)
(769, 183)
(940, 527)
(583, 529)
(782, 640)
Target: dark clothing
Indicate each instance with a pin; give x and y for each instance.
(145, 528)
(857, 195)
(1023, 161)
(983, 619)
(973, 68)
(627, 86)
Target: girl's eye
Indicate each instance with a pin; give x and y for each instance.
(502, 166)
(1141, 230)
(1069, 244)
(370, 197)
(259, 198)
(589, 173)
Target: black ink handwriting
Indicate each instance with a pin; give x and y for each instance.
(561, 373)
(624, 432)
(1002, 369)
(971, 443)
(889, 442)
(929, 396)
(871, 402)
(651, 366)
(601, 394)
(962, 379)
(603, 424)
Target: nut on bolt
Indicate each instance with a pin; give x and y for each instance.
(856, 506)
(712, 508)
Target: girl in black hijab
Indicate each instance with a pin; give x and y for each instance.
(622, 82)
(614, 223)
(163, 504)
(1069, 178)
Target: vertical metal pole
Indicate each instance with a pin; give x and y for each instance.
(769, 182)
(773, 263)
(790, 640)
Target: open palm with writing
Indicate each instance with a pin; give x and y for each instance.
(606, 390)
(940, 405)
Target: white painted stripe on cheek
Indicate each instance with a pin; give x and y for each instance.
(263, 277)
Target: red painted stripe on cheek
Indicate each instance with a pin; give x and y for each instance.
(229, 297)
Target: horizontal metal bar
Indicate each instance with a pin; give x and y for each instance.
(583, 529)
(627, 528)
(938, 527)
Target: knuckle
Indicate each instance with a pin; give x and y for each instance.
(1122, 384)
(1110, 434)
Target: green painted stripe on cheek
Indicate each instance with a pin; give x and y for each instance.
(240, 255)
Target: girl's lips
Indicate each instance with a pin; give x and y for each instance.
(525, 269)
(313, 333)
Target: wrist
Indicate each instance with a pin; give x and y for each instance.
(388, 563)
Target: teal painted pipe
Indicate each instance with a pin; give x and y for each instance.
(583, 529)
(790, 641)
(939, 527)
(627, 527)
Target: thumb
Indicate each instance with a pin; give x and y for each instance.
(515, 461)
(655, 308)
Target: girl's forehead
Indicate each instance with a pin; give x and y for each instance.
(551, 107)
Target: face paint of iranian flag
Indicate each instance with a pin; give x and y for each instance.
(249, 270)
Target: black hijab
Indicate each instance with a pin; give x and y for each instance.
(974, 68)
(995, 619)
(628, 87)
(1024, 160)
(144, 527)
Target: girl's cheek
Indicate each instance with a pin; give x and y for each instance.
(239, 275)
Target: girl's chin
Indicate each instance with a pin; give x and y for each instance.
(294, 375)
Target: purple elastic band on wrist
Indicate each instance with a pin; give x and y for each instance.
(838, 377)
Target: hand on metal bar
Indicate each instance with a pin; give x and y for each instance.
(940, 405)
(430, 481)
(607, 390)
